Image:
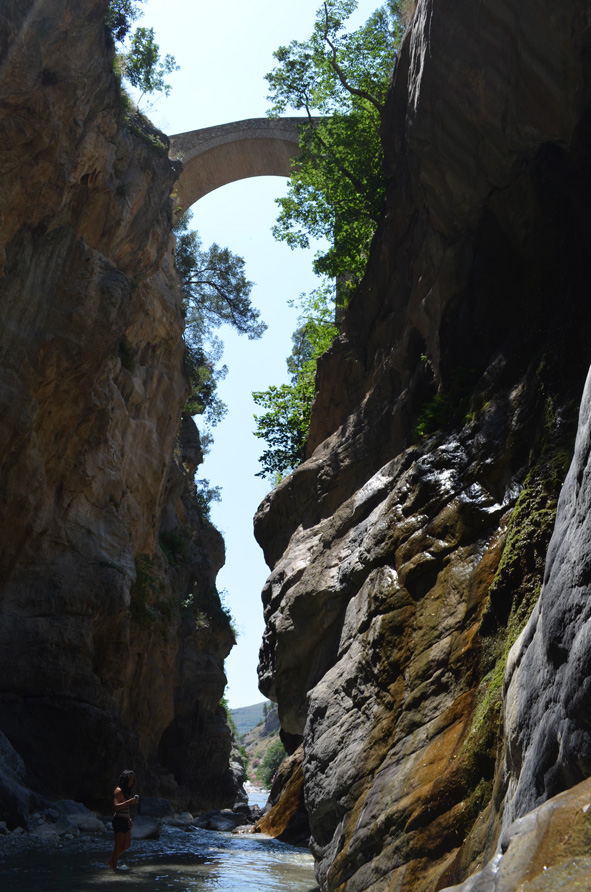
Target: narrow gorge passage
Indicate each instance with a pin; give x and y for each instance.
(427, 606)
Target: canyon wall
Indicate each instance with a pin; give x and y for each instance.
(112, 636)
(408, 551)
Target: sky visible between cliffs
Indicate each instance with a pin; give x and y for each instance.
(224, 50)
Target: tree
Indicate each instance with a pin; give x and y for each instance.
(215, 288)
(337, 187)
(339, 79)
(271, 762)
(143, 67)
(215, 292)
(140, 64)
(120, 16)
(285, 424)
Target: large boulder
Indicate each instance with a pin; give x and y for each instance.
(15, 798)
(155, 807)
(145, 828)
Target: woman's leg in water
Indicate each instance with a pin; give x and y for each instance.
(127, 842)
(119, 848)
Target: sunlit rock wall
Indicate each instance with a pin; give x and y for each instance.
(112, 637)
(408, 551)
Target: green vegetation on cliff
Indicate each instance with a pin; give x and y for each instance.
(261, 742)
(140, 62)
(339, 78)
(337, 189)
(286, 422)
(215, 292)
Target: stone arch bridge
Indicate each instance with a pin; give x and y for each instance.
(215, 156)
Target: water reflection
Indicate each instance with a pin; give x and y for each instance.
(191, 861)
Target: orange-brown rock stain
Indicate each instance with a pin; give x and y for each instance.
(278, 819)
(440, 774)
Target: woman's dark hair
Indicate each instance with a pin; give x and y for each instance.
(124, 779)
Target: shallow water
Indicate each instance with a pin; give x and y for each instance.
(257, 795)
(182, 861)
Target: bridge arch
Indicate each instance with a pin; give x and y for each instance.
(215, 156)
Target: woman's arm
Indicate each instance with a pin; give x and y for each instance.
(119, 801)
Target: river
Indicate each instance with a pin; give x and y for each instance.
(181, 861)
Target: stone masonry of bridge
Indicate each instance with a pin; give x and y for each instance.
(215, 156)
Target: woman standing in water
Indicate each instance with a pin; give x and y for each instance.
(122, 799)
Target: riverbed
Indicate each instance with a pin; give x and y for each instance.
(180, 861)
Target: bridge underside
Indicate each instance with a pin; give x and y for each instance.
(215, 156)
(230, 162)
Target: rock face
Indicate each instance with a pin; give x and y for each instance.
(545, 851)
(547, 725)
(408, 551)
(112, 637)
(285, 816)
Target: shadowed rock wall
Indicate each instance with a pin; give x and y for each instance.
(112, 637)
(408, 551)
(547, 724)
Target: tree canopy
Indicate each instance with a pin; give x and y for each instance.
(120, 16)
(143, 67)
(339, 78)
(140, 63)
(337, 187)
(215, 292)
(285, 424)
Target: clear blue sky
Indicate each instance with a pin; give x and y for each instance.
(224, 50)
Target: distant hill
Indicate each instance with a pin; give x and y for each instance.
(247, 717)
(262, 737)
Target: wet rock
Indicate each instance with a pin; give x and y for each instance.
(51, 814)
(185, 820)
(155, 808)
(250, 812)
(87, 823)
(225, 820)
(547, 850)
(69, 828)
(222, 823)
(286, 818)
(15, 798)
(67, 807)
(145, 828)
(74, 817)
(45, 832)
(548, 678)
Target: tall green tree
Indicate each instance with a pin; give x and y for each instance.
(216, 292)
(339, 79)
(143, 66)
(286, 421)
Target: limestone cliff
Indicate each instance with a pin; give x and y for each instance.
(112, 637)
(408, 551)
